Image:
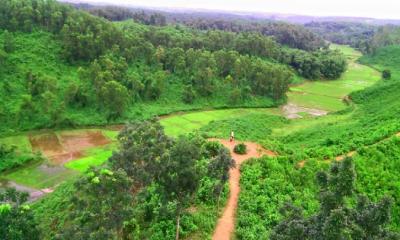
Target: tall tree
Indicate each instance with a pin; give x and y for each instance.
(181, 176)
(142, 150)
(100, 207)
(114, 97)
(220, 163)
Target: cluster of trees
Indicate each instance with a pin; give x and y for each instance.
(150, 178)
(25, 15)
(295, 36)
(354, 34)
(10, 158)
(384, 36)
(248, 38)
(242, 72)
(335, 218)
(326, 64)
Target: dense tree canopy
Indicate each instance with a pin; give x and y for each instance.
(16, 218)
(335, 219)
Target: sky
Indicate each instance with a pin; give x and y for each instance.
(385, 9)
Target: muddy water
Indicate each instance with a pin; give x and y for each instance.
(66, 146)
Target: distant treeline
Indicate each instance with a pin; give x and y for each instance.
(295, 36)
(365, 37)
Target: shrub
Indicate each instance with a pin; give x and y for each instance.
(240, 148)
(386, 74)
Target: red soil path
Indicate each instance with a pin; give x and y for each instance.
(226, 224)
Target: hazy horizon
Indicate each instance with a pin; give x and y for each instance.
(383, 9)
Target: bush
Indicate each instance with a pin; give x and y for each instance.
(386, 74)
(240, 148)
(188, 94)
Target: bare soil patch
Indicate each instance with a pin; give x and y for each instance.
(67, 146)
(292, 111)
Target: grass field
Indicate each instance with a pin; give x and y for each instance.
(95, 157)
(21, 142)
(186, 123)
(328, 94)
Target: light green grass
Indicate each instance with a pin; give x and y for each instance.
(306, 123)
(110, 134)
(21, 142)
(187, 123)
(328, 94)
(96, 157)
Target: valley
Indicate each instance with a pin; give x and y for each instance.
(120, 123)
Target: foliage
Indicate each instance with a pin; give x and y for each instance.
(16, 218)
(114, 97)
(385, 36)
(354, 34)
(385, 58)
(386, 74)
(10, 158)
(335, 219)
(100, 206)
(142, 203)
(240, 148)
(143, 147)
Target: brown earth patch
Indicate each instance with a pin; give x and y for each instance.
(75, 142)
(292, 111)
(341, 157)
(47, 143)
(66, 146)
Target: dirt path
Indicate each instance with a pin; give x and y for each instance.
(226, 223)
(34, 194)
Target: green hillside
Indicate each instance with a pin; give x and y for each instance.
(116, 123)
(385, 58)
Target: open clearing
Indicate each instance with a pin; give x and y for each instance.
(328, 95)
(186, 123)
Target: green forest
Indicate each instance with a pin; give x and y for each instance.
(119, 123)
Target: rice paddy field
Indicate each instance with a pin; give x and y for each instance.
(64, 155)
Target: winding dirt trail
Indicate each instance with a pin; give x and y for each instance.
(226, 223)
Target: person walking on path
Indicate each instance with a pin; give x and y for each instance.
(232, 138)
